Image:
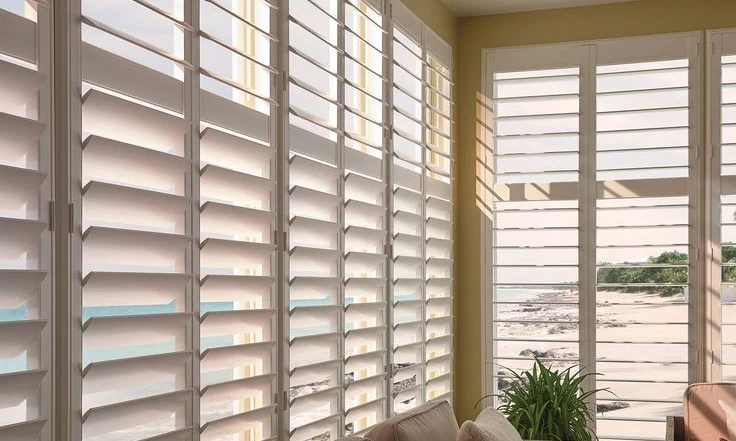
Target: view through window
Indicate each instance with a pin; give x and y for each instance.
(593, 231)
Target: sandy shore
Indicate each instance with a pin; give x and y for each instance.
(641, 352)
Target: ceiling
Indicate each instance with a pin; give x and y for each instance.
(464, 8)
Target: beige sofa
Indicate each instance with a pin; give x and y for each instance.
(433, 421)
(436, 422)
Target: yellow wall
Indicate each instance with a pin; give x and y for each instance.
(437, 16)
(573, 24)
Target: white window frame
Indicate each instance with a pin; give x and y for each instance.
(715, 40)
(622, 50)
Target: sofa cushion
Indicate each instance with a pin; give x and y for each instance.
(433, 421)
(705, 418)
(490, 425)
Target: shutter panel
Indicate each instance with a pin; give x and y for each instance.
(645, 240)
(337, 218)
(408, 220)
(136, 238)
(616, 222)
(237, 192)
(365, 233)
(437, 200)
(25, 237)
(315, 219)
(723, 133)
(535, 254)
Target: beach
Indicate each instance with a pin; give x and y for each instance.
(641, 351)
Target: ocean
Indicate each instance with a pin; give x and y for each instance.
(89, 356)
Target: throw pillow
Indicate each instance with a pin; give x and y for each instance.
(490, 425)
(730, 411)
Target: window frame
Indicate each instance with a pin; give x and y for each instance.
(67, 111)
(617, 50)
(716, 40)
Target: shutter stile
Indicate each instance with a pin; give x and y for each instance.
(724, 136)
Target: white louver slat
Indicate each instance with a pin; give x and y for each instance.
(25, 236)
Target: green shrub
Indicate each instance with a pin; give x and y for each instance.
(546, 404)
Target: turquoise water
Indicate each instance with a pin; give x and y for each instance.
(90, 356)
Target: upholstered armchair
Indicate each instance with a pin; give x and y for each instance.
(709, 414)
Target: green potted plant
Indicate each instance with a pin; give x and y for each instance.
(546, 404)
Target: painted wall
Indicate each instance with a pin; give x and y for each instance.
(553, 26)
(437, 16)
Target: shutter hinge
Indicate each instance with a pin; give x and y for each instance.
(286, 401)
(284, 238)
(71, 218)
(284, 80)
(279, 240)
(52, 215)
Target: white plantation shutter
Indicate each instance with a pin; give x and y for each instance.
(723, 140)
(365, 218)
(645, 142)
(25, 236)
(408, 220)
(315, 218)
(438, 213)
(337, 218)
(165, 354)
(536, 145)
(136, 299)
(206, 258)
(237, 223)
(594, 224)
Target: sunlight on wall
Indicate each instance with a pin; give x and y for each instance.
(484, 154)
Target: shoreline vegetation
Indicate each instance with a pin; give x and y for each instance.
(665, 274)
